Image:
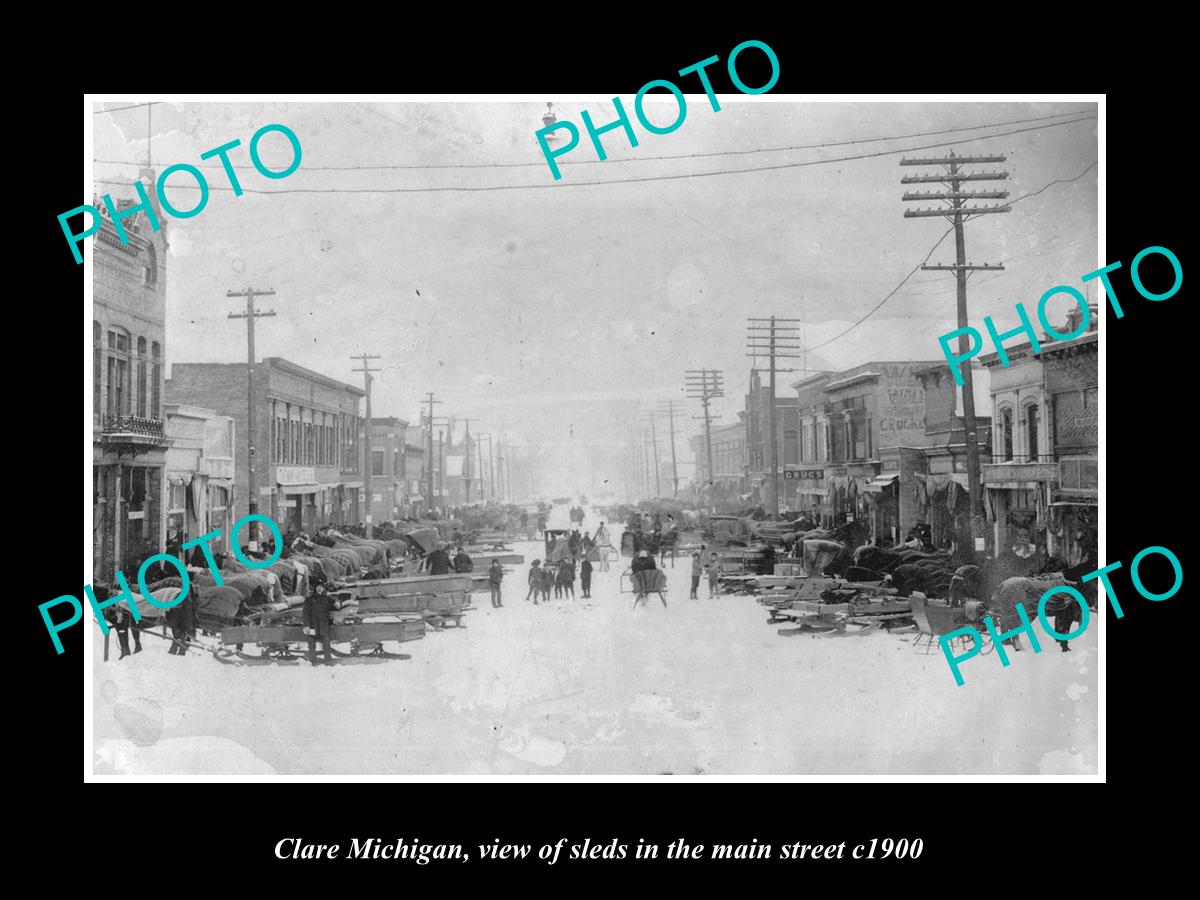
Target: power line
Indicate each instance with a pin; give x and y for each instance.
(119, 108)
(516, 165)
(571, 184)
(904, 280)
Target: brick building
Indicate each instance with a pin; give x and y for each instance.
(129, 441)
(387, 485)
(307, 438)
(758, 440)
(805, 481)
(1042, 479)
(870, 437)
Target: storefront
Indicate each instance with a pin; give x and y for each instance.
(808, 490)
(883, 504)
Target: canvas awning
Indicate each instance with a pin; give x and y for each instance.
(881, 483)
(298, 488)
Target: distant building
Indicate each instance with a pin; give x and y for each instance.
(200, 480)
(415, 446)
(307, 429)
(757, 424)
(388, 476)
(129, 442)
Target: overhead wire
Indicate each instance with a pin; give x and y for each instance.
(666, 156)
(675, 177)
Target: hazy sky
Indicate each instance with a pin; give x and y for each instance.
(554, 313)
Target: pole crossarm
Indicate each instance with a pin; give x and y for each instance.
(939, 179)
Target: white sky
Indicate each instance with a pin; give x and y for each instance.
(553, 315)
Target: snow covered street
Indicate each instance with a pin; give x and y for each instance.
(595, 687)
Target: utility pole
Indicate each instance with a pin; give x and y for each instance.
(777, 339)
(654, 466)
(442, 466)
(366, 373)
(954, 176)
(467, 459)
(706, 385)
(429, 454)
(491, 467)
(479, 463)
(669, 409)
(250, 315)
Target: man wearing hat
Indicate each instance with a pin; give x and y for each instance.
(318, 621)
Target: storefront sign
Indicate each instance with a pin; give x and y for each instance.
(295, 474)
(804, 475)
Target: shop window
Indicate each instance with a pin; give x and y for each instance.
(135, 494)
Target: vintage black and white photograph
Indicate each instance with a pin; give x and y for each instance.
(473, 438)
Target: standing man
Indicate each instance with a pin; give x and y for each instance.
(495, 575)
(535, 581)
(318, 622)
(585, 577)
(697, 570)
(438, 562)
(573, 544)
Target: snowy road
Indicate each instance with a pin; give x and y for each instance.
(596, 687)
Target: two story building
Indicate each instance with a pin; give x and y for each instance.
(129, 442)
(1042, 479)
(200, 476)
(305, 435)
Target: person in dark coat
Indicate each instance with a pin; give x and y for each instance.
(462, 562)
(318, 622)
(121, 620)
(439, 562)
(585, 577)
(642, 562)
(535, 581)
(495, 576)
(573, 544)
(181, 619)
(566, 578)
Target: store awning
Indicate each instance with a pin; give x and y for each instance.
(298, 488)
(1072, 503)
(880, 483)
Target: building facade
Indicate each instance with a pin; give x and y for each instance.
(864, 445)
(386, 487)
(758, 441)
(306, 438)
(1042, 482)
(415, 447)
(129, 441)
(199, 477)
(944, 489)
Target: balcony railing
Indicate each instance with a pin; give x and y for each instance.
(134, 426)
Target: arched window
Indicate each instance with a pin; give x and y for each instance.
(156, 381)
(141, 376)
(1006, 434)
(1031, 431)
(97, 367)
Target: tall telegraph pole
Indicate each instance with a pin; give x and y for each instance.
(366, 373)
(467, 459)
(429, 453)
(654, 465)
(706, 385)
(668, 406)
(250, 315)
(774, 338)
(954, 176)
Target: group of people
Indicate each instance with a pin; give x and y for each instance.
(560, 578)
